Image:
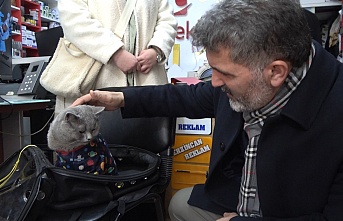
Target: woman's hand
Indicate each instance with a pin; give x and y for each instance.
(146, 60)
(108, 99)
(125, 61)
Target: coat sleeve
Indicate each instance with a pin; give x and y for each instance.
(165, 29)
(169, 100)
(85, 32)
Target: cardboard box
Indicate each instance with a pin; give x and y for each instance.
(187, 175)
(192, 149)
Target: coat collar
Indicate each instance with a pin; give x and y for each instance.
(307, 99)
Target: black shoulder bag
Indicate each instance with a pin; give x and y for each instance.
(31, 188)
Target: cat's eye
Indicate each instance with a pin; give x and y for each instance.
(81, 132)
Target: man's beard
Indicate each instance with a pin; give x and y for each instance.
(258, 95)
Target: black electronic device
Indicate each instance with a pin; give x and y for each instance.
(47, 40)
(30, 84)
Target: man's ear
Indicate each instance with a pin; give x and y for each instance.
(277, 72)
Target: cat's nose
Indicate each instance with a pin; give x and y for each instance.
(89, 136)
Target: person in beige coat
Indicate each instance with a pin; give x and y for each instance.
(138, 59)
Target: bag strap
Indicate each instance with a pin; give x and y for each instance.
(38, 160)
(116, 207)
(41, 163)
(124, 18)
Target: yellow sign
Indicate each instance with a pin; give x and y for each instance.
(176, 54)
(191, 148)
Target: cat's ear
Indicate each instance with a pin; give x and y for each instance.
(70, 116)
(98, 110)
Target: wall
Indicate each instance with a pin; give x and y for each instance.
(187, 13)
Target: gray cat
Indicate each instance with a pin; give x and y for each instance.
(74, 136)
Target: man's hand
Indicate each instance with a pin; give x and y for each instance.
(108, 99)
(227, 216)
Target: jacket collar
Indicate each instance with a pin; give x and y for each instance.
(307, 99)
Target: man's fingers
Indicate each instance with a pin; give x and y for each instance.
(82, 100)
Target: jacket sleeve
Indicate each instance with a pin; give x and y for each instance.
(169, 100)
(165, 29)
(85, 32)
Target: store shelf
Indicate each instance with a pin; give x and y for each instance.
(31, 25)
(21, 10)
(46, 19)
(15, 33)
(14, 8)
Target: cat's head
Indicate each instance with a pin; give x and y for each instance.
(84, 121)
(75, 126)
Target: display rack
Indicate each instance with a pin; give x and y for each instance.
(28, 17)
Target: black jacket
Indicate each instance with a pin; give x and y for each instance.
(300, 151)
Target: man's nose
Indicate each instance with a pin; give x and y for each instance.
(216, 80)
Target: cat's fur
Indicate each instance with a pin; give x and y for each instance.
(74, 136)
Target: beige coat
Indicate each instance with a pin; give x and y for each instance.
(89, 25)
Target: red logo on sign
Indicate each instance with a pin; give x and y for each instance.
(184, 10)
